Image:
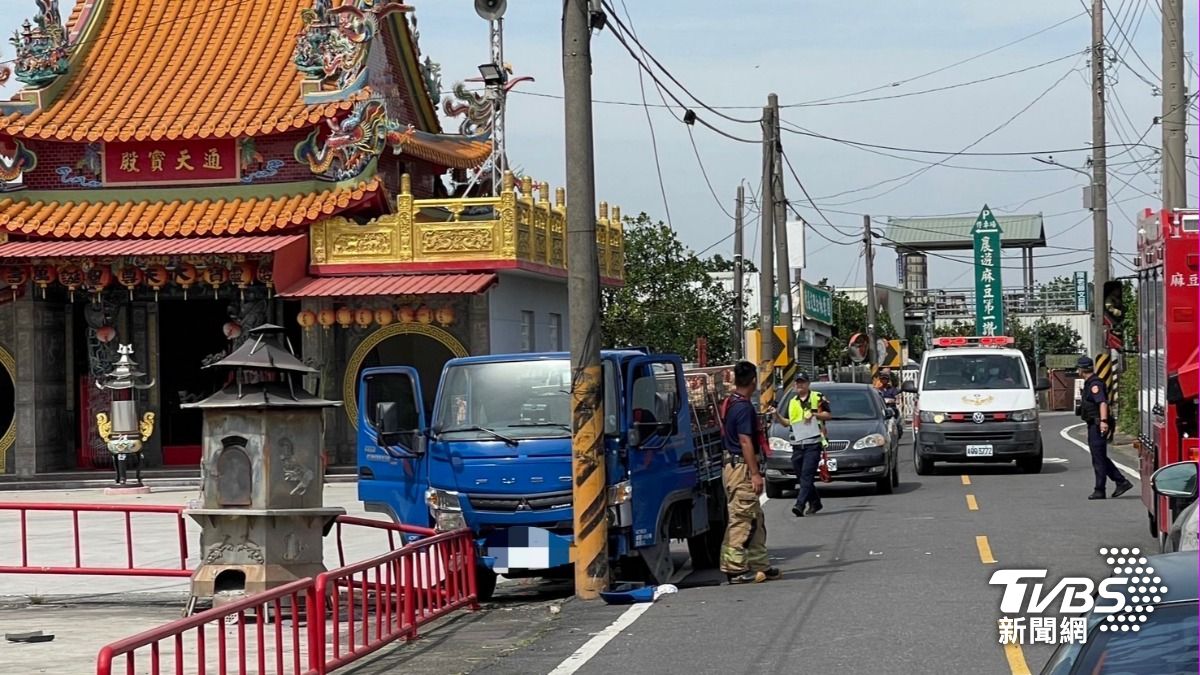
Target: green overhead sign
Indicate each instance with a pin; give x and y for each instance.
(818, 303)
(989, 294)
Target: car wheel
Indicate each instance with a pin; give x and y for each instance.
(775, 489)
(923, 465)
(895, 472)
(884, 485)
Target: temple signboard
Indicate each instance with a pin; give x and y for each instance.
(168, 162)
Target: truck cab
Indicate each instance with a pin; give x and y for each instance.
(493, 453)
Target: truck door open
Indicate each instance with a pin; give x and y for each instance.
(392, 464)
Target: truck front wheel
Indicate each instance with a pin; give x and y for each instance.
(485, 582)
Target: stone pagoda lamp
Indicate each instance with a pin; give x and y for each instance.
(262, 516)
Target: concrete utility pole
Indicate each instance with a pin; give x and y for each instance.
(783, 276)
(589, 493)
(739, 276)
(869, 255)
(1099, 175)
(766, 267)
(1174, 115)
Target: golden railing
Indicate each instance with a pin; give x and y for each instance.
(518, 225)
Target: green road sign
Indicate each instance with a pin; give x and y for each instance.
(818, 303)
(989, 296)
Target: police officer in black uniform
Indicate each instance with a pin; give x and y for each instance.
(1094, 410)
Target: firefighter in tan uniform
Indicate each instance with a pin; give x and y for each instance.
(744, 551)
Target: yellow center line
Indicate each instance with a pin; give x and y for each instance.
(972, 505)
(1016, 659)
(985, 550)
(966, 479)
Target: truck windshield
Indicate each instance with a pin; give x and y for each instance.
(518, 399)
(974, 371)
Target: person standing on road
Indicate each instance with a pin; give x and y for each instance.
(806, 415)
(1094, 410)
(744, 552)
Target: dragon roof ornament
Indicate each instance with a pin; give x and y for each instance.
(42, 49)
(334, 42)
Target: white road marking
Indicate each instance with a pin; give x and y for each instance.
(593, 646)
(1066, 434)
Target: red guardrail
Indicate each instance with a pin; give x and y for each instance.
(203, 643)
(392, 529)
(76, 565)
(390, 596)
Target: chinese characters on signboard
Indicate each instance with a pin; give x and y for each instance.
(171, 162)
(989, 295)
(1081, 292)
(818, 303)
(1178, 279)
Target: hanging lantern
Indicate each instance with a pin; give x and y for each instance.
(97, 278)
(232, 330)
(185, 276)
(106, 334)
(266, 276)
(15, 277)
(241, 274)
(406, 314)
(363, 317)
(307, 319)
(444, 316)
(43, 276)
(326, 318)
(345, 317)
(424, 314)
(129, 277)
(71, 277)
(215, 275)
(157, 277)
(384, 317)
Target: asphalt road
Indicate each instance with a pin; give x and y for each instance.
(874, 583)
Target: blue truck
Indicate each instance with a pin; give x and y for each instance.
(493, 452)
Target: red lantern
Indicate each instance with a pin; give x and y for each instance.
(345, 317)
(71, 277)
(363, 317)
(444, 316)
(266, 276)
(384, 317)
(129, 277)
(241, 274)
(185, 276)
(43, 276)
(307, 319)
(157, 277)
(406, 314)
(424, 315)
(215, 275)
(15, 277)
(106, 334)
(232, 330)
(326, 318)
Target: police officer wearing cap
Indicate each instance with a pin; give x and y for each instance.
(806, 415)
(1094, 410)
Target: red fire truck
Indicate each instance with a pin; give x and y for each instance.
(1168, 271)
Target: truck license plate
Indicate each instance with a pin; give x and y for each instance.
(979, 450)
(831, 464)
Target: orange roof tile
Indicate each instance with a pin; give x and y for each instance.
(171, 69)
(458, 152)
(118, 218)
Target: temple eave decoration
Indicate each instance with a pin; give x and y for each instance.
(42, 50)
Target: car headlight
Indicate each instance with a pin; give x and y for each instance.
(932, 417)
(870, 441)
(1029, 415)
(620, 493)
(442, 500)
(779, 445)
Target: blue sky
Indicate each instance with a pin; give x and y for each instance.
(736, 53)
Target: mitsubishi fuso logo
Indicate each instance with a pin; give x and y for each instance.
(524, 505)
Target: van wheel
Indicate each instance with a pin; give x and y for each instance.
(1031, 464)
(485, 582)
(923, 465)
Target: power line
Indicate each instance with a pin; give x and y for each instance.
(1121, 30)
(807, 196)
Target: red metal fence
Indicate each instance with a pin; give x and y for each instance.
(53, 562)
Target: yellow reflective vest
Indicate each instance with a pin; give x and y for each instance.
(798, 413)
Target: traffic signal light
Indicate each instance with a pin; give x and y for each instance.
(1114, 313)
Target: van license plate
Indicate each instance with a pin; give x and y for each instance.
(979, 451)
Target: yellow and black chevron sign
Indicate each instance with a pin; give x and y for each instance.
(1105, 371)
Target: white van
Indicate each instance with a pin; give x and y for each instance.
(976, 402)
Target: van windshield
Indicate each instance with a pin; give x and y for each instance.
(974, 371)
(517, 399)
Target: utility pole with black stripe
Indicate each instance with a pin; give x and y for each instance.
(766, 267)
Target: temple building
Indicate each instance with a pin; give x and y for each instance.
(174, 174)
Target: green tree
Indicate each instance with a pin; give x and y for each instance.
(668, 299)
(1044, 337)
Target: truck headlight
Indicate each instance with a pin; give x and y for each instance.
(1029, 415)
(870, 441)
(779, 445)
(620, 493)
(442, 500)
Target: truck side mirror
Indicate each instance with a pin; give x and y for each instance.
(1176, 480)
(1042, 384)
(909, 387)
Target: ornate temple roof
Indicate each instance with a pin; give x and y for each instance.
(117, 214)
(170, 70)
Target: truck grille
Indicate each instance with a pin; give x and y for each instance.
(982, 435)
(512, 504)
